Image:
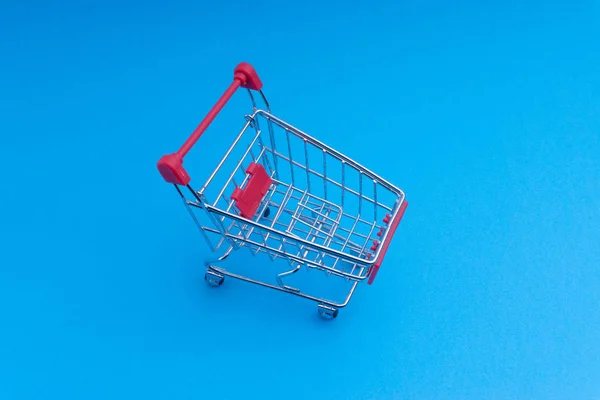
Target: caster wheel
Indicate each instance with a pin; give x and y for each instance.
(214, 279)
(328, 312)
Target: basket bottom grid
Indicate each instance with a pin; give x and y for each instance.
(303, 215)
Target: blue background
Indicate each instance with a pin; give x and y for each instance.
(487, 115)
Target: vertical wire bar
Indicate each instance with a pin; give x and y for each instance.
(252, 98)
(375, 199)
(306, 165)
(265, 100)
(252, 153)
(343, 182)
(348, 237)
(287, 134)
(284, 201)
(273, 148)
(261, 144)
(360, 192)
(325, 173)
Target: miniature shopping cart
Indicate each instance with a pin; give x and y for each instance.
(286, 196)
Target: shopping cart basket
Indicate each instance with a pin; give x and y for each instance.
(283, 194)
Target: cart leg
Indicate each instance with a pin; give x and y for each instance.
(328, 312)
(213, 279)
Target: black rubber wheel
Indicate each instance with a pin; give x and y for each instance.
(214, 281)
(328, 312)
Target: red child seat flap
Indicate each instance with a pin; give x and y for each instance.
(248, 200)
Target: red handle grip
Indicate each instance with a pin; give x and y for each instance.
(387, 242)
(170, 166)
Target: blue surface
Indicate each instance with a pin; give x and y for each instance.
(486, 115)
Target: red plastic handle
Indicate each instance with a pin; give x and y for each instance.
(170, 166)
(387, 242)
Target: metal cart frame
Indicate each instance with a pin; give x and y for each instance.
(280, 192)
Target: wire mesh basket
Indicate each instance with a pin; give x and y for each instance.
(281, 193)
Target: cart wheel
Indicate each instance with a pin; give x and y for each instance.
(328, 312)
(213, 279)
